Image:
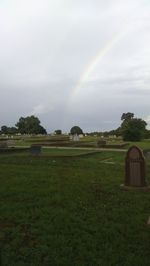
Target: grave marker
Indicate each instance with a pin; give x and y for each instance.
(146, 153)
(76, 137)
(148, 222)
(35, 150)
(3, 145)
(135, 168)
(101, 143)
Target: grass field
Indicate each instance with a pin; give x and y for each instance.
(87, 141)
(71, 211)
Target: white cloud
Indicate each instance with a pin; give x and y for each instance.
(40, 109)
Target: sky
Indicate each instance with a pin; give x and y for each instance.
(82, 62)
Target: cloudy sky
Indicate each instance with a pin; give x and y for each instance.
(74, 62)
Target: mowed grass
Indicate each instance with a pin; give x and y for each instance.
(71, 211)
(144, 144)
(87, 141)
(65, 152)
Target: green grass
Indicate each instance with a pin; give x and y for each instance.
(144, 144)
(87, 141)
(65, 152)
(71, 211)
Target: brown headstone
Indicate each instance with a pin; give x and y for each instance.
(135, 168)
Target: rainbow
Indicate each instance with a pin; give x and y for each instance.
(95, 61)
(88, 71)
(101, 53)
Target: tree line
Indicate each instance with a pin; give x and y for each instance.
(25, 125)
(32, 125)
(131, 128)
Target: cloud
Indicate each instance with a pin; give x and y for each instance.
(40, 109)
(47, 46)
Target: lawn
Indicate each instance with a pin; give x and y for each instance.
(144, 144)
(88, 141)
(59, 210)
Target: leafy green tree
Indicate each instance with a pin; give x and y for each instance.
(118, 132)
(147, 134)
(58, 132)
(4, 130)
(76, 130)
(30, 125)
(134, 129)
(12, 130)
(127, 116)
(8, 130)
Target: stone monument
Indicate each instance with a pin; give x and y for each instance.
(134, 169)
(76, 137)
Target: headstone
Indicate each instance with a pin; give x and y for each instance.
(146, 153)
(135, 168)
(81, 136)
(3, 145)
(148, 222)
(76, 137)
(35, 150)
(10, 143)
(101, 143)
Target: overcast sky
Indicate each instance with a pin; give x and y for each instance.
(74, 62)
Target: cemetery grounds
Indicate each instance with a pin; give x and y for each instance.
(66, 207)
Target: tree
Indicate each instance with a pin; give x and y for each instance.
(147, 134)
(76, 130)
(12, 130)
(8, 130)
(134, 129)
(30, 125)
(118, 132)
(4, 130)
(127, 116)
(58, 132)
